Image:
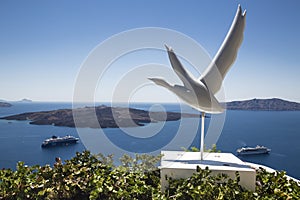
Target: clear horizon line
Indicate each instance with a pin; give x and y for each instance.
(122, 102)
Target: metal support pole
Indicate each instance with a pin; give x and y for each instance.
(202, 134)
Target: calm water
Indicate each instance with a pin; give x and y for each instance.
(279, 131)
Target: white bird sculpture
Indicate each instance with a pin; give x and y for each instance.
(200, 93)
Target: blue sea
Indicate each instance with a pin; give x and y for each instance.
(278, 130)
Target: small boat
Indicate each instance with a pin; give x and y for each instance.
(253, 150)
(55, 141)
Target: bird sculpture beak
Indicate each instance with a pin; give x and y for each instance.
(168, 48)
(160, 82)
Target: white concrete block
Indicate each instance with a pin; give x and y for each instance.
(180, 164)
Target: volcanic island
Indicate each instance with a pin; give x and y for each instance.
(98, 117)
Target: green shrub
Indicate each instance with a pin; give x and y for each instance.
(89, 177)
(202, 185)
(276, 186)
(195, 149)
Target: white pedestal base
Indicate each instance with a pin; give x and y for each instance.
(179, 164)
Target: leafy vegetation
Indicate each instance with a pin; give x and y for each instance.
(95, 177)
(195, 149)
(204, 186)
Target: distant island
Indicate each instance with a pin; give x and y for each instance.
(114, 117)
(5, 104)
(25, 101)
(274, 104)
(106, 117)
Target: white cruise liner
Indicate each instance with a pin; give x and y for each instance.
(253, 150)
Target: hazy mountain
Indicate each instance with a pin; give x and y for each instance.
(25, 101)
(5, 104)
(264, 104)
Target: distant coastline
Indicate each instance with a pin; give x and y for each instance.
(25, 101)
(114, 117)
(273, 104)
(94, 117)
(5, 104)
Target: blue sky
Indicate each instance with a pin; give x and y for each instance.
(44, 43)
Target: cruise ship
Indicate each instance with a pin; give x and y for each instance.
(56, 141)
(253, 150)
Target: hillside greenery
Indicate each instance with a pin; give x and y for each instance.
(87, 176)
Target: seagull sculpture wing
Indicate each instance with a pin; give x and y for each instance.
(183, 74)
(200, 94)
(226, 55)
